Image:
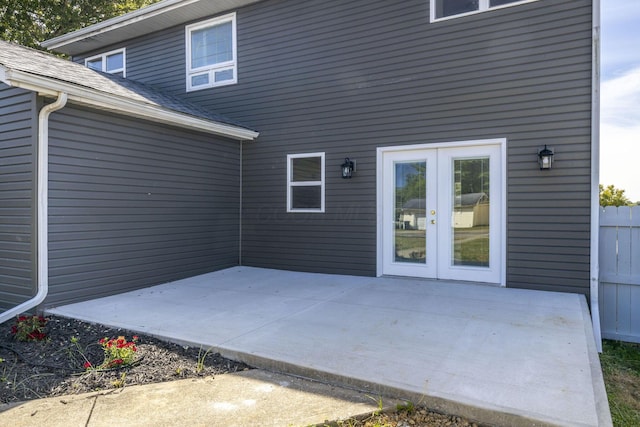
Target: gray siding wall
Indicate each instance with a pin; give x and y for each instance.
(134, 204)
(18, 126)
(347, 77)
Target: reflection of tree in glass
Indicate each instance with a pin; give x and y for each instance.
(411, 182)
(472, 176)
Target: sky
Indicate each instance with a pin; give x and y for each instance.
(620, 96)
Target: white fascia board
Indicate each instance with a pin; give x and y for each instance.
(115, 23)
(120, 105)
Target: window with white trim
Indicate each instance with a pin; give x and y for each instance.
(441, 9)
(110, 62)
(211, 53)
(305, 182)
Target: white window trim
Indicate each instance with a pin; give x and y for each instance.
(211, 69)
(291, 184)
(103, 58)
(483, 6)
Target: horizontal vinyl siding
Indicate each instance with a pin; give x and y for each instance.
(17, 184)
(347, 77)
(134, 204)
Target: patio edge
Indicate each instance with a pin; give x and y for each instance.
(599, 390)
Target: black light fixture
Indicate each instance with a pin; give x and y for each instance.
(348, 167)
(545, 157)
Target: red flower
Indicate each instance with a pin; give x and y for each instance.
(36, 336)
(87, 365)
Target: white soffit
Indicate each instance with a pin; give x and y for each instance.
(164, 14)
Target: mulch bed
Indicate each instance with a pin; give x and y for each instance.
(55, 366)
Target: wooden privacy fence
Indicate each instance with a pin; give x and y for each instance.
(620, 273)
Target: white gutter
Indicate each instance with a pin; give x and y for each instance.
(42, 275)
(120, 104)
(595, 178)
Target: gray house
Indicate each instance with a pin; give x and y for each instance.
(191, 136)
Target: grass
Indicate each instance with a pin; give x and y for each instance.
(470, 246)
(202, 355)
(472, 252)
(621, 369)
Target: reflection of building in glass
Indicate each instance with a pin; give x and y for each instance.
(413, 215)
(471, 210)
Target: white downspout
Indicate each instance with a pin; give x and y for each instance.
(42, 275)
(240, 207)
(595, 178)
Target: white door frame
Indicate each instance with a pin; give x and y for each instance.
(380, 175)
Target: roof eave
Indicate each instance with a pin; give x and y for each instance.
(85, 96)
(140, 22)
(114, 23)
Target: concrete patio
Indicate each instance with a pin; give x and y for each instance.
(500, 356)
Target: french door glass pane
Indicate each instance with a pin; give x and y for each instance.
(410, 237)
(470, 224)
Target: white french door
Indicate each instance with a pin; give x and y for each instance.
(442, 212)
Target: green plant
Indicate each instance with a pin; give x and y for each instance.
(29, 328)
(3, 375)
(407, 407)
(612, 196)
(380, 404)
(201, 358)
(118, 352)
(119, 383)
(75, 345)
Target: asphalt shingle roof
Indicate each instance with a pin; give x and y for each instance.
(16, 57)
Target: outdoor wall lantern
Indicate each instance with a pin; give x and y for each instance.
(545, 158)
(348, 168)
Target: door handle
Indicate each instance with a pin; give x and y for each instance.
(433, 221)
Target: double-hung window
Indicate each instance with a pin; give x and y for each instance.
(211, 53)
(113, 62)
(441, 9)
(305, 182)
